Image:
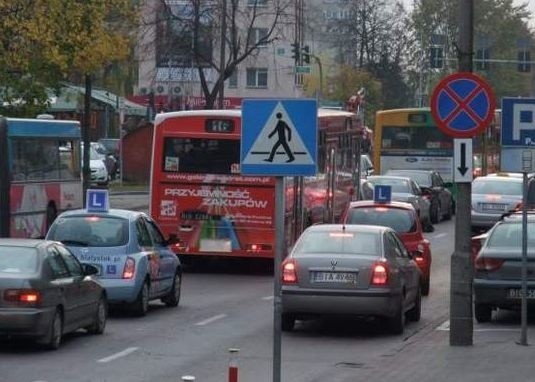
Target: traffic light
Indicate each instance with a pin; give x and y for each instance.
(524, 61)
(295, 51)
(436, 57)
(306, 54)
(482, 57)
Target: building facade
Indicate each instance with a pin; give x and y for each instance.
(169, 68)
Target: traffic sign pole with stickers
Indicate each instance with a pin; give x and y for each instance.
(279, 138)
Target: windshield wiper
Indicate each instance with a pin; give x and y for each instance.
(75, 242)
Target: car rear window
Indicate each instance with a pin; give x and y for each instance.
(510, 235)
(422, 178)
(499, 187)
(18, 259)
(355, 243)
(398, 185)
(399, 220)
(93, 231)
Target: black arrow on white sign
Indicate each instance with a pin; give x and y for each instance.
(462, 168)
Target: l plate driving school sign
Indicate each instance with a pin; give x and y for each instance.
(279, 137)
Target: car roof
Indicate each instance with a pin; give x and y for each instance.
(27, 243)
(410, 171)
(499, 178)
(113, 212)
(347, 228)
(371, 203)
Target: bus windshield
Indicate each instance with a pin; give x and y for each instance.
(201, 156)
(414, 138)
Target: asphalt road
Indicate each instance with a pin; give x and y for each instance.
(226, 305)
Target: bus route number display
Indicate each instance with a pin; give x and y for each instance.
(219, 126)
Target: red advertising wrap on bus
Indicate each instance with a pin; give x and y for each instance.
(198, 193)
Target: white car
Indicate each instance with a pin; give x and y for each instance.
(99, 173)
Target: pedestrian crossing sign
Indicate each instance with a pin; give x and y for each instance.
(279, 137)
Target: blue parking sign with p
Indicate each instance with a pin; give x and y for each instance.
(97, 201)
(382, 193)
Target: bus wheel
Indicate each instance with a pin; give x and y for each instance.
(51, 214)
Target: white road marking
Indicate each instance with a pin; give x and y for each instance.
(445, 326)
(210, 320)
(439, 235)
(113, 357)
(267, 298)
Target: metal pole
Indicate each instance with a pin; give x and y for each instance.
(526, 164)
(222, 57)
(277, 301)
(86, 171)
(461, 321)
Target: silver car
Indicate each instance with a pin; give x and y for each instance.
(493, 196)
(497, 268)
(407, 190)
(355, 270)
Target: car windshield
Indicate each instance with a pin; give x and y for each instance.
(510, 235)
(354, 243)
(398, 185)
(496, 186)
(18, 259)
(398, 219)
(94, 231)
(422, 178)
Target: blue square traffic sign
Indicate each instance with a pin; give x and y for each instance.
(279, 137)
(518, 127)
(382, 193)
(97, 201)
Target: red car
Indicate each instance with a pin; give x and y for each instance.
(403, 219)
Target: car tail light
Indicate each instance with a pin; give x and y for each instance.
(380, 274)
(488, 263)
(289, 272)
(25, 296)
(129, 270)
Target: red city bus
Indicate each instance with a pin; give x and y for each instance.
(198, 194)
(40, 174)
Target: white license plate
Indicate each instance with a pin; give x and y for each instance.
(334, 277)
(493, 207)
(215, 245)
(517, 294)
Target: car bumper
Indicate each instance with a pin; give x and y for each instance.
(120, 290)
(380, 302)
(483, 220)
(25, 322)
(497, 293)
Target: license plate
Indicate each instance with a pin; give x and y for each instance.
(517, 294)
(334, 277)
(493, 207)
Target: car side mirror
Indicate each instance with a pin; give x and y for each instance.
(90, 269)
(173, 239)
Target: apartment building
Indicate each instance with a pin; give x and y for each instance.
(169, 69)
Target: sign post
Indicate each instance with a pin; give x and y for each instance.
(279, 138)
(463, 106)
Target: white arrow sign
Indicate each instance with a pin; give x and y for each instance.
(463, 162)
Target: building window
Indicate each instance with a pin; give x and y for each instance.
(261, 3)
(233, 79)
(257, 77)
(256, 35)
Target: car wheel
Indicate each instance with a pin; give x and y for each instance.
(425, 287)
(416, 312)
(483, 312)
(141, 305)
(396, 324)
(450, 212)
(101, 316)
(52, 340)
(173, 298)
(434, 213)
(428, 226)
(288, 322)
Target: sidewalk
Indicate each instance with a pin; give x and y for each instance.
(494, 356)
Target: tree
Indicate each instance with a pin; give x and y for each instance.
(193, 29)
(498, 25)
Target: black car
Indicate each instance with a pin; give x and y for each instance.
(434, 188)
(45, 292)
